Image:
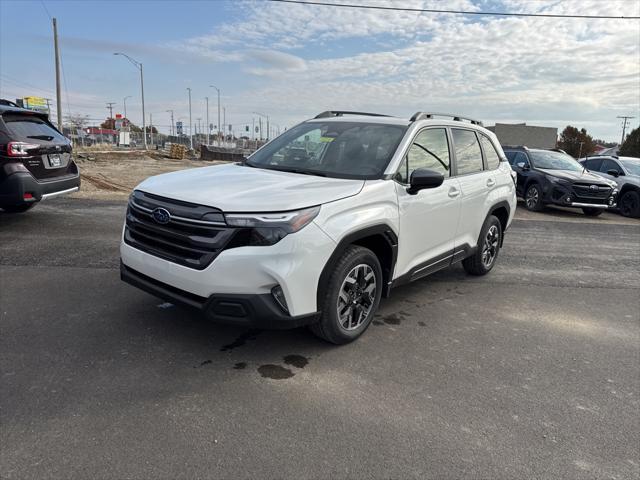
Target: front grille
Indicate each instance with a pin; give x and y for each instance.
(193, 237)
(600, 194)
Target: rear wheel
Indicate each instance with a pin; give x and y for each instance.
(533, 198)
(351, 297)
(481, 262)
(592, 212)
(629, 204)
(18, 208)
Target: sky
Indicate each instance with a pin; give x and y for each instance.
(291, 62)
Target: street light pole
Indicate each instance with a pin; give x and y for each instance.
(218, 90)
(267, 117)
(208, 129)
(190, 130)
(139, 66)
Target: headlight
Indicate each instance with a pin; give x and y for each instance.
(558, 181)
(290, 222)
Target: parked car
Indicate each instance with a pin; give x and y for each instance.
(551, 177)
(317, 234)
(625, 171)
(35, 160)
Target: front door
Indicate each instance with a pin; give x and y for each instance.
(429, 218)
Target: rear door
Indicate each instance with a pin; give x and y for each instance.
(49, 153)
(475, 185)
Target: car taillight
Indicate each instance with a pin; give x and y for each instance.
(19, 149)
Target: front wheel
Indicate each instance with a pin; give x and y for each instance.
(592, 212)
(18, 208)
(481, 262)
(629, 204)
(533, 198)
(351, 297)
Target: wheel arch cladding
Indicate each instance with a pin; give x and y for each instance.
(628, 188)
(380, 239)
(501, 211)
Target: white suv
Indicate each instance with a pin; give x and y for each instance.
(320, 223)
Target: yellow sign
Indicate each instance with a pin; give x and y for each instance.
(35, 102)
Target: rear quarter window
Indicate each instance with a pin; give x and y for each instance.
(492, 157)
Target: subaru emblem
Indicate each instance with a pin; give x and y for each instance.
(593, 187)
(161, 215)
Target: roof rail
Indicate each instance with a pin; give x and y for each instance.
(340, 113)
(429, 115)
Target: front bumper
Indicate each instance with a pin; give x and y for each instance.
(14, 187)
(249, 310)
(564, 196)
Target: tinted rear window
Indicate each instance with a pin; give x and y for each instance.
(25, 127)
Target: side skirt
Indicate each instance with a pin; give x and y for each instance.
(435, 264)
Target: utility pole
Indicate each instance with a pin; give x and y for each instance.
(138, 65)
(624, 126)
(224, 123)
(208, 129)
(151, 128)
(110, 108)
(172, 127)
(57, 55)
(267, 117)
(190, 131)
(217, 90)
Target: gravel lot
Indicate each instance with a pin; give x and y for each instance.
(532, 371)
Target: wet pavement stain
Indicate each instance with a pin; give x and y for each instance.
(422, 324)
(202, 364)
(405, 314)
(275, 372)
(392, 319)
(377, 322)
(241, 340)
(297, 361)
(240, 366)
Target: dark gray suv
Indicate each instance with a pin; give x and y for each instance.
(625, 171)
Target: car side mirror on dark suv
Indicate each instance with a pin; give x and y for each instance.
(522, 165)
(422, 178)
(613, 173)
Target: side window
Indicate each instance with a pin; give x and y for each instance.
(493, 160)
(468, 154)
(511, 156)
(609, 165)
(520, 158)
(593, 164)
(428, 150)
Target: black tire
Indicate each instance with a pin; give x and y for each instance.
(533, 198)
(18, 208)
(592, 212)
(629, 204)
(329, 327)
(488, 248)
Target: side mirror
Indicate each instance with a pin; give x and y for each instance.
(613, 173)
(422, 178)
(522, 165)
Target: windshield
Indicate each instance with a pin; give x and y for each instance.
(554, 161)
(632, 166)
(332, 149)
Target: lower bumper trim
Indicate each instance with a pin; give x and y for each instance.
(588, 205)
(61, 192)
(250, 310)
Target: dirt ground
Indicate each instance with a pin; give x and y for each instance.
(113, 175)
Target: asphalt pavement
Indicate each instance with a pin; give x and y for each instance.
(530, 372)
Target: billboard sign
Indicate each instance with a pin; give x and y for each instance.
(35, 103)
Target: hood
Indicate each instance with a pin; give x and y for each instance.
(237, 188)
(572, 176)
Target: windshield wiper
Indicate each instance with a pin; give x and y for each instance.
(296, 170)
(48, 138)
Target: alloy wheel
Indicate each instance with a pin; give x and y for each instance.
(532, 197)
(357, 296)
(490, 247)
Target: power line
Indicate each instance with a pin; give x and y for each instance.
(455, 12)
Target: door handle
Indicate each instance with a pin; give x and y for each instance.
(453, 192)
(491, 182)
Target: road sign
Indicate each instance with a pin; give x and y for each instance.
(179, 128)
